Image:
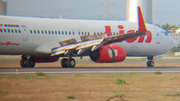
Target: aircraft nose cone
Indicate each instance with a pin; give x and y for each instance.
(173, 43)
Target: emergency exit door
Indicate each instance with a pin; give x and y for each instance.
(24, 33)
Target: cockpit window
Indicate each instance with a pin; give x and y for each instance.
(166, 33)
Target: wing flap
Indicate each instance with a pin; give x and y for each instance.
(77, 46)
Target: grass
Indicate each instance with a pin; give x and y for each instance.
(174, 94)
(70, 97)
(78, 75)
(118, 94)
(132, 73)
(158, 72)
(40, 74)
(141, 87)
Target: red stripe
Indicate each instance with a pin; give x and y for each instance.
(142, 27)
(108, 30)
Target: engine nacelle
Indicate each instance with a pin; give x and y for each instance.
(44, 59)
(108, 53)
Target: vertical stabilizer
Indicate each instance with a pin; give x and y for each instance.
(142, 26)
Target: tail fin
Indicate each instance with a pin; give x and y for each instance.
(142, 26)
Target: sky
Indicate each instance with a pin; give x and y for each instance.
(164, 11)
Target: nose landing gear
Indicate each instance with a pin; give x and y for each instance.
(150, 63)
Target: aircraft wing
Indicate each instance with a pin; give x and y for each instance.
(93, 42)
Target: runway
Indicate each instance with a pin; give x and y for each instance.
(88, 67)
(89, 70)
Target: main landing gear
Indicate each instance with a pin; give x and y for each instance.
(68, 62)
(27, 62)
(150, 63)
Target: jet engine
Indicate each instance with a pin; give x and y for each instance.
(108, 53)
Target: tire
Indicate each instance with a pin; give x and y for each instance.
(23, 63)
(64, 62)
(72, 63)
(31, 63)
(150, 64)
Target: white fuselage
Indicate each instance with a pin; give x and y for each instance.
(32, 38)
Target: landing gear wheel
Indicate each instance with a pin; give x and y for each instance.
(64, 62)
(31, 63)
(150, 63)
(23, 63)
(68, 63)
(72, 63)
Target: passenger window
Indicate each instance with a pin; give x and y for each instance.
(73, 32)
(52, 32)
(5, 25)
(114, 33)
(31, 31)
(12, 25)
(59, 32)
(55, 32)
(34, 31)
(19, 31)
(1, 30)
(4, 30)
(15, 30)
(69, 33)
(85, 33)
(82, 33)
(17, 25)
(79, 33)
(8, 30)
(66, 32)
(38, 31)
(42, 31)
(12, 30)
(45, 31)
(94, 33)
(49, 32)
(88, 33)
(62, 33)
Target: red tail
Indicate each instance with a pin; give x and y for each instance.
(142, 26)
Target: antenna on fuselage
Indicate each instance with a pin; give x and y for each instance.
(60, 16)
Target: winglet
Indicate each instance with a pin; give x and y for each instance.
(142, 26)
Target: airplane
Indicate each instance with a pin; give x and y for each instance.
(42, 40)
